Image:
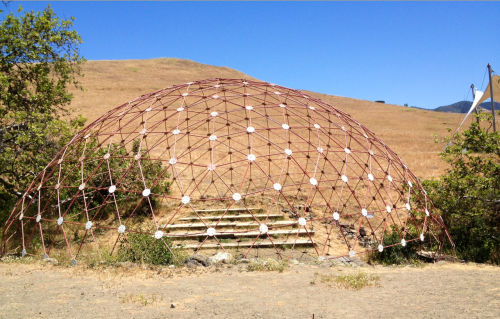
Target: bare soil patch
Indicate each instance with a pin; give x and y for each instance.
(444, 291)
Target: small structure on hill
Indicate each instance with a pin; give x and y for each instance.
(225, 164)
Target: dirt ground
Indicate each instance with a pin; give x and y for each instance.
(433, 291)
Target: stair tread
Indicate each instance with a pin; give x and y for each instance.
(242, 209)
(225, 224)
(230, 217)
(257, 244)
(240, 234)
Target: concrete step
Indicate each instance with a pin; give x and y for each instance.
(302, 231)
(288, 232)
(229, 224)
(230, 210)
(231, 217)
(264, 243)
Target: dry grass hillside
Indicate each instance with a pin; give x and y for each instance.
(408, 131)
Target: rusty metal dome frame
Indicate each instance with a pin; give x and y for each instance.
(227, 143)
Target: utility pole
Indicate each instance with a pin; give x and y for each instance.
(492, 101)
(473, 98)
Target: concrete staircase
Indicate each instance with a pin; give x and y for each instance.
(237, 229)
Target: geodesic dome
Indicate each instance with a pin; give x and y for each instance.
(225, 164)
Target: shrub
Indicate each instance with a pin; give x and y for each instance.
(468, 195)
(396, 255)
(143, 248)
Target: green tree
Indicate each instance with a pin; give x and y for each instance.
(39, 61)
(468, 195)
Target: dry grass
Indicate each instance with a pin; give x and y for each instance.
(409, 132)
(351, 281)
(267, 264)
(140, 298)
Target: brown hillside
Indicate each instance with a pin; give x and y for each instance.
(409, 132)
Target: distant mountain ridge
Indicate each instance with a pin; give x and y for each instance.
(464, 107)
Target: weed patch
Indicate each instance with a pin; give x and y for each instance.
(140, 298)
(353, 282)
(267, 265)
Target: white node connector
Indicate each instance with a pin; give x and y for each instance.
(370, 177)
(352, 253)
(285, 126)
(302, 221)
(344, 178)
(288, 152)
(251, 157)
(410, 184)
(249, 108)
(211, 232)
(263, 229)
(403, 242)
(277, 187)
(408, 207)
(389, 178)
(320, 150)
(121, 229)
(173, 161)
(175, 132)
(427, 212)
(388, 208)
(88, 225)
(316, 126)
(380, 248)
(214, 114)
(215, 96)
(112, 189)
(282, 105)
(146, 192)
(347, 151)
(237, 196)
(38, 218)
(422, 237)
(212, 137)
(180, 109)
(158, 234)
(313, 181)
(336, 216)
(364, 212)
(250, 129)
(60, 220)
(185, 200)
(81, 187)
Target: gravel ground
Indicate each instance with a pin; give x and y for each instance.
(434, 291)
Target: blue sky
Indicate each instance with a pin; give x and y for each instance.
(425, 54)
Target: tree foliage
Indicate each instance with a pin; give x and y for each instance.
(39, 61)
(468, 195)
